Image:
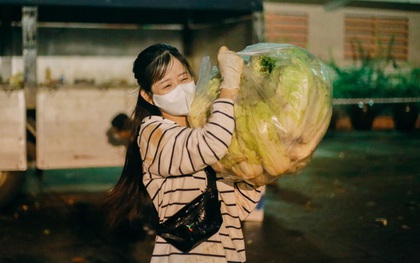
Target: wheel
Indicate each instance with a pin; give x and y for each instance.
(10, 185)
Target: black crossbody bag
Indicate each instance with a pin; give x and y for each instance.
(196, 221)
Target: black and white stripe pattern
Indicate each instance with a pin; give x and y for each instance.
(173, 161)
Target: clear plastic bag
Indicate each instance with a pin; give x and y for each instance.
(282, 111)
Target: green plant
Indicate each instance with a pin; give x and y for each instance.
(405, 83)
(368, 76)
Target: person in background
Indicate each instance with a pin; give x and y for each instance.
(119, 133)
(166, 157)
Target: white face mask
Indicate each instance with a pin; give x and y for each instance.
(178, 101)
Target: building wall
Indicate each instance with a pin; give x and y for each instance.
(106, 54)
(326, 28)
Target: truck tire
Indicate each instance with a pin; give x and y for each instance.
(10, 185)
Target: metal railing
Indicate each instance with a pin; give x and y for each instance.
(371, 101)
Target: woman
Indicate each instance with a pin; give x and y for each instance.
(166, 157)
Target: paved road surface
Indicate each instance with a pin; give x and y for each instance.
(357, 201)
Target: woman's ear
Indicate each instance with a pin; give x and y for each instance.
(146, 96)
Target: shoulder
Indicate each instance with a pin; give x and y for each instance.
(153, 123)
(153, 129)
(156, 120)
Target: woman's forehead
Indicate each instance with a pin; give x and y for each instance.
(174, 70)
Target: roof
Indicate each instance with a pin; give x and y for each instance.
(132, 11)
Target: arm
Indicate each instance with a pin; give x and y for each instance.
(247, 197)
(230, 67)
(239, 198)
(180, 150)
(169, 149)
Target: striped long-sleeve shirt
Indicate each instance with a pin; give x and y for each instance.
(173, 161)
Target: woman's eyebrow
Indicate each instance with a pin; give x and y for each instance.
(163, 81)
(183, 73)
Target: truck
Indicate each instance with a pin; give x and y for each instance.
(65, 72)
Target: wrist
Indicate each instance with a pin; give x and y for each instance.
(229, 84)
(228, 93)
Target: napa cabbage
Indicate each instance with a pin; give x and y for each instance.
(282, 111)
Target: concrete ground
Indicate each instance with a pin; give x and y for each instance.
(357, 201)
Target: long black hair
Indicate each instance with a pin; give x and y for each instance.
(126, 200)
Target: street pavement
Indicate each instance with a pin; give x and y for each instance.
(357, 201)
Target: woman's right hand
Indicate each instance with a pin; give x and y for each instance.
(230, 67)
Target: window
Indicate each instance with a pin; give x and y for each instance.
(287, 28)
(375, 36)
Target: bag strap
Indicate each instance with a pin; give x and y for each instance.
(211, 184)
(211, 178)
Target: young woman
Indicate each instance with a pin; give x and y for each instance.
(166, 157)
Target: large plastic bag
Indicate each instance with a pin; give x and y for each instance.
(282, 111)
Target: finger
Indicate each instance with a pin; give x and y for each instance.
(223, 49)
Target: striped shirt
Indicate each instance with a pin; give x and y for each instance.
(173, 161)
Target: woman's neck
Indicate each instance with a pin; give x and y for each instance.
(181, 120)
